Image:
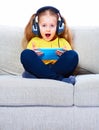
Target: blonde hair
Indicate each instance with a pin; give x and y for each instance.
(28, 34)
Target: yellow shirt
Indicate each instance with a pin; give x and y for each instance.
(41, 43)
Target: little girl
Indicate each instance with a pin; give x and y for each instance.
(48, 29)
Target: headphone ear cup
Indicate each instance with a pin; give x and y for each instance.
(35, 29)
(60, 27)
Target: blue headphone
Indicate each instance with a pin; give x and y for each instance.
(60, 23)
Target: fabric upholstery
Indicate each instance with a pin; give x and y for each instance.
(87, 90)
(49, 118)
(10, 48)
(86, 40)
(17, 91)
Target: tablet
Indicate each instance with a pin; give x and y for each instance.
(49, 53)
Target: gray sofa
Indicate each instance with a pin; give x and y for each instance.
(43, 104)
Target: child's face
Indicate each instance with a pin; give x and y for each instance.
(48, 26)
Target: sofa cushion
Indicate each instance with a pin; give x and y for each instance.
(87, 90)
(86, 43)
(17, 91)
(10, 48)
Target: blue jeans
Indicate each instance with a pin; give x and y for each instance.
(64, 67)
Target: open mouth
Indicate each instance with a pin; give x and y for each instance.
(47, 35)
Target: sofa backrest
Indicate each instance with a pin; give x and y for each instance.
(86, 42)
(10, 49)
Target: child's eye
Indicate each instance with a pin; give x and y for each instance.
(43, 25)
(52, 25)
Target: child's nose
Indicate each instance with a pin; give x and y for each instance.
(48, 28)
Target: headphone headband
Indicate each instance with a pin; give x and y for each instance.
(42, 9)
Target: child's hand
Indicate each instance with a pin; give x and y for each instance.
(36, 50)
(59, 52)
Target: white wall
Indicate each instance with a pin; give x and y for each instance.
(76, 12)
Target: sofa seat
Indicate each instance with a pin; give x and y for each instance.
(18, 91)
(87, 90)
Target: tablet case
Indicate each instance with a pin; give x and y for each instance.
(49, 53)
